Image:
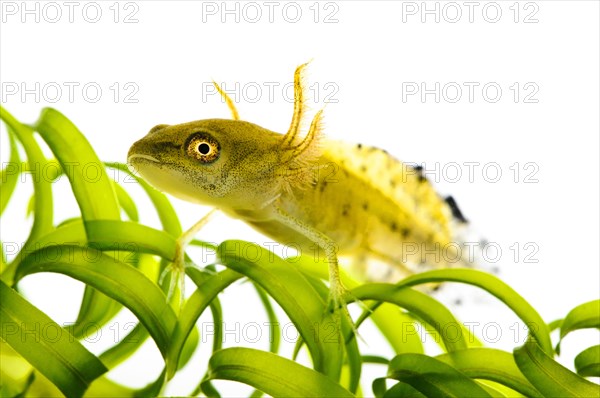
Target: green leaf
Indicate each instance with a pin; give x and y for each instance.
(587, 362)
(126, 236)
(217, 337)
(398, 390)
(124, 348)
(426, 307)
(10, 174)
(274, 329)
(91, 186)
(490, 364)
(104, 387)
(208, 288)
(387, 317)
(130, 236)
(583, 316)
(495, 287)
(95, 310)
(115, 279)
(272, 374)
(47, 346)
(432, 377)
(296, 296)
(166, 212)
(548, 376)
(353, 363)
(42, 187)
(126, 202)
(136, 337)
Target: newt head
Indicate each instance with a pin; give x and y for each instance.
(228, 163)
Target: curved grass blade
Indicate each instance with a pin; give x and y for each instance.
(124, 348)
(10, 386)
(42, 187)
(166, 212)
(272, 374)
(97, 309)
(208, 288)
(10, 174)
(72, 232)
(124, 236)
(296, 296)
(587, 362)
(490, 364)
(424, 306)
(115, 279)
(555, 324)
(126, 240)
(217, 318)
(274, 329)
(153, 389)
(126, 203)
(45, 345)
(432, 377)
(548, 376)
(583, 316)
(119, 352)
(353, 363)
(386, 316)
(353, 366)
(91, 186)
(398, 390)
(104, 387)
(130, 237)
(495, 287)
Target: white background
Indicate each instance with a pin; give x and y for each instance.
(365, 57)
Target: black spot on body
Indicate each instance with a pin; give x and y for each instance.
(346, 210)
(419, 170)
(455, 210)
(365, 206)
(363, 168)
(323, 185)
(394, 226)
(392, 183)
(405, 232)
(359, 146)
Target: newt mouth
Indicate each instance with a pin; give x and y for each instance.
(130, 158)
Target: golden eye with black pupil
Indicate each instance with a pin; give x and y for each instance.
(203, 147)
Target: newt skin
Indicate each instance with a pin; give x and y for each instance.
(348, 200)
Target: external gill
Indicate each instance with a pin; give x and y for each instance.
(298, 158)
(299, 105)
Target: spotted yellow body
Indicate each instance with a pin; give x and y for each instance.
(348, 200)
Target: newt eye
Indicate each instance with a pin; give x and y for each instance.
(203, 147)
